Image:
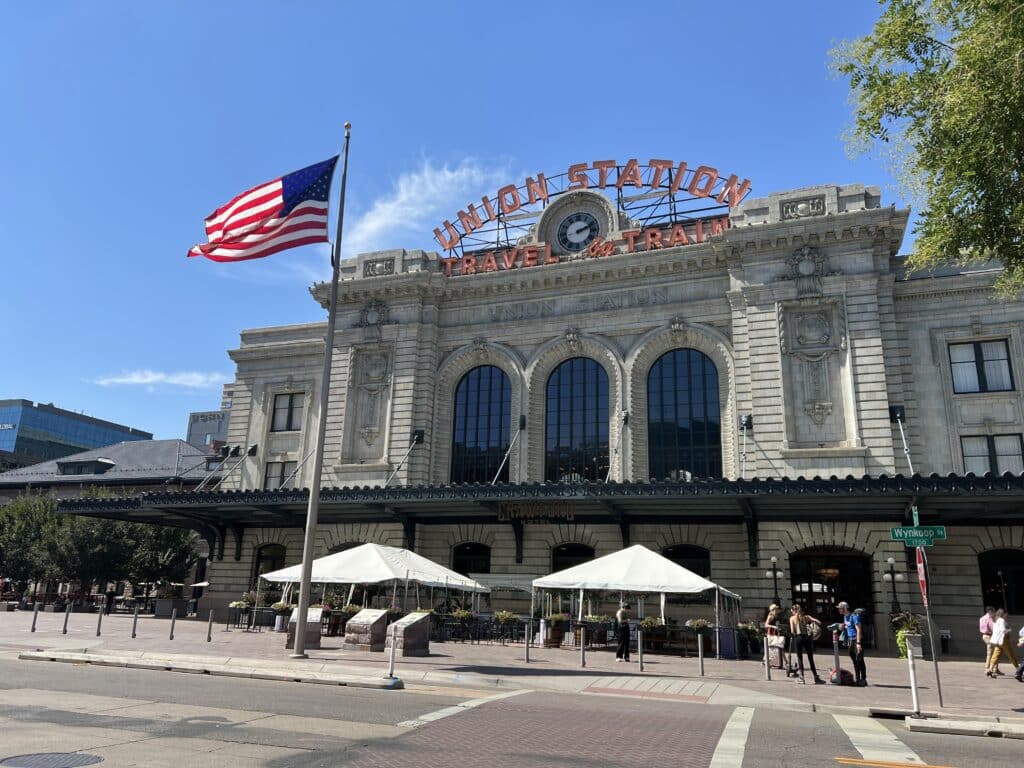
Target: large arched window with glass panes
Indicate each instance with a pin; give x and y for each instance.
(576, 422)
(684, 425)
(481, 427)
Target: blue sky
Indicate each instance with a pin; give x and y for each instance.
(126, 123)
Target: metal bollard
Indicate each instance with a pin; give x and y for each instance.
(767, 660)
(35, 615)
(99, 622)
(640, 647)
(135, 620)
(174, 617)
(529, 638)
(700, 653)
(913, 682)
(391, 659)
(583, 645)
(209, 628)
(67, 615)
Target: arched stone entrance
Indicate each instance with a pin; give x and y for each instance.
(822, 577)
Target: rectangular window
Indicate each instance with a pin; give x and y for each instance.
(276, 474)
(997, 454)
(981, 366)
(287, 412)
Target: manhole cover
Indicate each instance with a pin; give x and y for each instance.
(51, 760)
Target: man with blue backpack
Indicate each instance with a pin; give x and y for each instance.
(854, 637)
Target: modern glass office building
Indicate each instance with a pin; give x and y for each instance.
(31, 433)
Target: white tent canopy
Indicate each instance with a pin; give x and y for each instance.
(375, 564)
(634, 569)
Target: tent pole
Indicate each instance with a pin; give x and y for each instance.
(662, 607)
(394, 593)
(405, 596)
(718, 626)
(351, 592)
(580, 616)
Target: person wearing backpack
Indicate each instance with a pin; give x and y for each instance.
(855, 637)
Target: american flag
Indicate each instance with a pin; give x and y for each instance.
(283, 213)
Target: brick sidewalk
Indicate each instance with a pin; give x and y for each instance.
(966, 690)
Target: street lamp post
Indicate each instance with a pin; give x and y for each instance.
(774, 574)
(893, 577)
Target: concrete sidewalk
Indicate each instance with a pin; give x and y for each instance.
(968, 694)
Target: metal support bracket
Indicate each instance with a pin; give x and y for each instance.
(750, 521)
(517, 532)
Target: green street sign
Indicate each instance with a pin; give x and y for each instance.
(918, 532)
(920, 541)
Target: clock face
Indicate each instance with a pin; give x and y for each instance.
(577, 230)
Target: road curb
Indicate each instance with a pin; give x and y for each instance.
(966, 728)
(217, 670)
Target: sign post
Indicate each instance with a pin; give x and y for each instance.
(922, 579)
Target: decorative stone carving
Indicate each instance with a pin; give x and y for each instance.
(812, 329)
(375, 313)
(480, 347)
(807, 266)
(379, 268)
(818, 410)
(800, 209)
(572, 338)
(368, 403)
(677, 325)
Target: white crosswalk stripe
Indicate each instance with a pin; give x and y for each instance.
(876, 742)
(733, 743)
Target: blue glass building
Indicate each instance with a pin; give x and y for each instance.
(31, 433)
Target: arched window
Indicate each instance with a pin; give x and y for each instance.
(471, 557)
(684, 425)
(480, 432)
(692, 558)
(269, 557)
(1002, 579)
(576, 426)
(567, 555)
(342, 547)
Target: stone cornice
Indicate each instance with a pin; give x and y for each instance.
(278, 350)
(945, 287)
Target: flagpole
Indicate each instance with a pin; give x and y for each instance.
(318, 454)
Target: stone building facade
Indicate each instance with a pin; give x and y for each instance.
(810, 338)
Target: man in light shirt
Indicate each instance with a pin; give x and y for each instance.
(985, 627)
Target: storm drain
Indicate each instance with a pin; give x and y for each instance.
(51, 760)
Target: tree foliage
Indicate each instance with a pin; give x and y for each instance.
(940, 82)
(28, 526)
(37, 544)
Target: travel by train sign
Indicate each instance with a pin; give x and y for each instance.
(657, 194)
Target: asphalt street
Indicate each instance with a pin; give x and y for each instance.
(147, 718)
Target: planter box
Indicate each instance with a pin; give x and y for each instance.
(555, 636)
(164, 606)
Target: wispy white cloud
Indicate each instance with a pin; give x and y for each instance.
(419, 199)
(149, 379)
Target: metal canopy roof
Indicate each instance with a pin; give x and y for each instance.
(951, 499)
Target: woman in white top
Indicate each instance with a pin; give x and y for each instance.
(999, 643)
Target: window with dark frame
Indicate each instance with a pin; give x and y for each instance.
(684, 425)
(576, 423)
(997, 454)
(276, 474)
(471, 557)
(287, 412)
(481, 426)
(981, 366)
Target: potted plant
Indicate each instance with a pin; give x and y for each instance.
(556, 630)
(281, 613)
(655, 633)
(906, 625)
(748, 638)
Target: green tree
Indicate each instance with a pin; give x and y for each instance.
(160, 553)
(28, 529)
(92, 550)
(938, 84)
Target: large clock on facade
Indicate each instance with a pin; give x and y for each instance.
(577, 230)
(574, 221)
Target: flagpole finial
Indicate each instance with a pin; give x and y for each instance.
(348, 126)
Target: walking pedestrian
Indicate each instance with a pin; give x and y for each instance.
(109, 604)
(801, 628)
(985, 628)
(1020, 644)
(855, 637)
(622, 627)
(776, 640)
(1001, 644)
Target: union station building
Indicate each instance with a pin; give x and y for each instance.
(579, 369)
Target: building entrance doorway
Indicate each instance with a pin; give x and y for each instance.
(822, 577)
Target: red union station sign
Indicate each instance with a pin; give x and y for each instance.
(662, 186)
